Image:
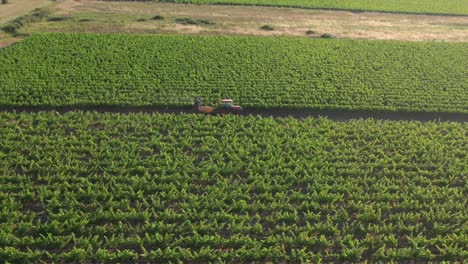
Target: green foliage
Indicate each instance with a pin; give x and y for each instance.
(58, 19)
(326, 35)
(158, 17)
(257, 72)
(189, 21)
(76, 255)
(267, 28)
(116, 188)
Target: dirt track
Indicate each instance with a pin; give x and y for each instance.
(332, 115)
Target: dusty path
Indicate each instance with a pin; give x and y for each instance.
(136, 17)
(332, 115)
(17, 8)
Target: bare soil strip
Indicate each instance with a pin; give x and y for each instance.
(273, 112)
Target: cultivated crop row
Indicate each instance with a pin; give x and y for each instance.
(189, 188)
(142, 70)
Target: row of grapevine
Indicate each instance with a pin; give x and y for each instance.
(113, 188)
(260, 72)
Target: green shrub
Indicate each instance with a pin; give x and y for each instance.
(326, 35)
(204, 22)
(189, 21)
(267, 28)
(58, 19)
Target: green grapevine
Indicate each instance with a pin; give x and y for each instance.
(89, 187)
(257, 72)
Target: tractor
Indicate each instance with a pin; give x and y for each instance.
(226, 107)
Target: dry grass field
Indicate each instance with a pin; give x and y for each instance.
(136, 17)
(17, 8)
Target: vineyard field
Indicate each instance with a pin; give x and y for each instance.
(90, 187)
(257, 72)
(457, 7)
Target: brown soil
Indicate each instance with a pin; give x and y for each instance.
(273, 112)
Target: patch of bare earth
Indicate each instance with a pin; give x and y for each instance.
(247, 20)
(6, 40)
(335, 115)
(67, 6)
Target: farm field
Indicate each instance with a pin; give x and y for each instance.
(92, 187)
(139, 17)
(103, 159)
(258, 72)
(17, 8)
(412, 6)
